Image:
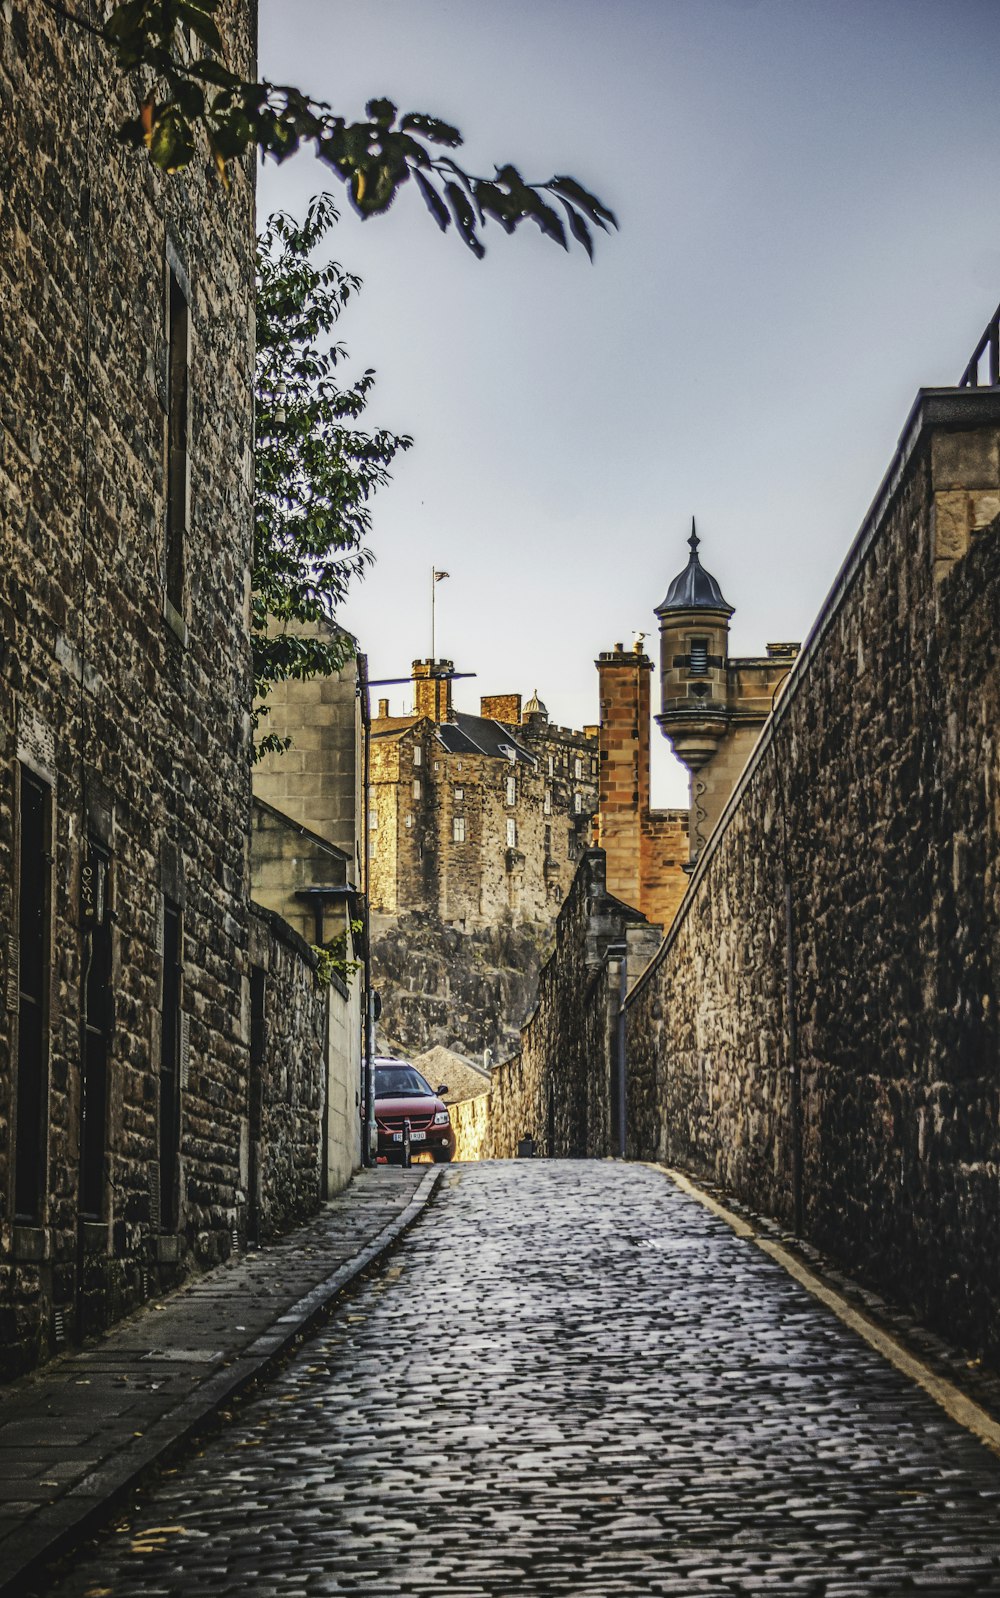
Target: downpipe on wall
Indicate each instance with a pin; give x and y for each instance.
(794, 1077)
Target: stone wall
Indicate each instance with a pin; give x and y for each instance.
(440, 986)
(873, 792)
(471, 1122)
(561, 1088)
(304, 1084)
(129, 708)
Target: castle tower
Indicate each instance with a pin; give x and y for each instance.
(712, 706)
(432, 689)
(694, 646)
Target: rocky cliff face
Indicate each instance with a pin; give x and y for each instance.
(467, 991)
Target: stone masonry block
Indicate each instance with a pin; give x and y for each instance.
(965, 460)
(951, 525)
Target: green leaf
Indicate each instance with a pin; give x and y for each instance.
(381, 111)
(569, 189)
(579, 228)
(465, 218)
(171, 145)
(200, 23)
(431, 128)
(125, 20)
(433, 201)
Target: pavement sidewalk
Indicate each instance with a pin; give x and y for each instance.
(77, 1436)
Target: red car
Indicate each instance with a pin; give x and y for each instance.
(402, 1094)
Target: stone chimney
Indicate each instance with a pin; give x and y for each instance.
(383, 709)
(432, 689)
(624, 687)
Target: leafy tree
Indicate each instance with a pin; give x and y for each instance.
(181, 92)
(315, 470)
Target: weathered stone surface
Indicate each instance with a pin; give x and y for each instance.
(440, 986)
(877, 794)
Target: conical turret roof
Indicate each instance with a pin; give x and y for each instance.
(694, 588)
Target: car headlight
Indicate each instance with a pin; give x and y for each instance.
(441, 1118)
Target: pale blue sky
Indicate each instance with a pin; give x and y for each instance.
(807, 192)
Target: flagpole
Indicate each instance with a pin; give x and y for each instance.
(433, 589)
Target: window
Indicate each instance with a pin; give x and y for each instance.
(169, 1139)
(416, 788)
(97, 1022)
(458, 829)
(548, 841)
(577, 803)
(512, 834)
(437, 765)
(698, 663)
(371, 848)
(177, 439)
(372, 819)
(418, 755)
(512, 790)
(459, 795)
(31, 962)
(547, 802)
(577, 768)
(552, 765)
(409, 819)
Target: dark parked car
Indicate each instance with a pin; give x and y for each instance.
(402, 1094)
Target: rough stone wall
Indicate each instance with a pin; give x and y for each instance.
(560, 1089)
(466, 991)
(292, 1086)
(134, 717)
(875, 787)
(471, 1122)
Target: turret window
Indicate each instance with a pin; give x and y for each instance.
(698, 662)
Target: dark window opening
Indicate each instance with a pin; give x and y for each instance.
(255, 1105)
(698, 662)
(97, 1024)
(169, 1141)
(177, 440)
(33, 970)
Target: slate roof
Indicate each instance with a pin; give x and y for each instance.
(694, 588)
(476, 735)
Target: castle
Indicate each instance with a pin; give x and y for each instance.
(473, 818)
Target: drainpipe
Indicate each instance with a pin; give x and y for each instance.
(368, 1135)
(619, 952)
(794, 1079)
(794, 1074)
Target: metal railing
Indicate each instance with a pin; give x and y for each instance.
(989, 345)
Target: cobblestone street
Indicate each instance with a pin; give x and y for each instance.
(571, 1379)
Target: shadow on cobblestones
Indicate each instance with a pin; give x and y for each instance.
(572, 1380)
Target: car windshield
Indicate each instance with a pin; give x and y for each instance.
(399, 1082)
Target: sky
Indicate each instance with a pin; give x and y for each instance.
(809, 232)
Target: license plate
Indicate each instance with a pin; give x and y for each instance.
(418, 1137)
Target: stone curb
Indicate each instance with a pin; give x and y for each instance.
(808, 1267)
(90, 1503)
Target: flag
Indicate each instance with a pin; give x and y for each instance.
(438, 575)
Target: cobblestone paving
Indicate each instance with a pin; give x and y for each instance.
(572, 1380)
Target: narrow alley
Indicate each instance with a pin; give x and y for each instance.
(571, 1379)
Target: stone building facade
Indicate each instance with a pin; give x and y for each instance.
(476, 825)
(476, 817)
(128, 951)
